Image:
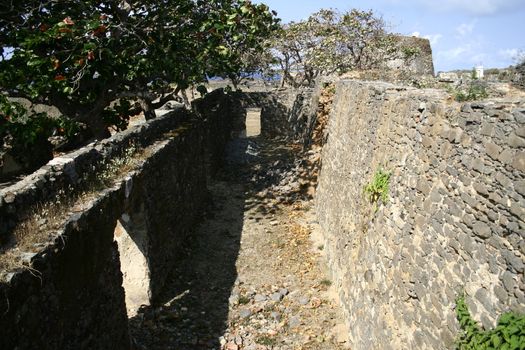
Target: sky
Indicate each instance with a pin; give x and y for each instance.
(462, 33)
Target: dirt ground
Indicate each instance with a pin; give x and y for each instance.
(254, 276)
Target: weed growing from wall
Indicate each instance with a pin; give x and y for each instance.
(509, 333)
(475, 91)
(47, 218)
(115, 167)
(377, 190)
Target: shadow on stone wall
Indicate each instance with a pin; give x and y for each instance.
(192, 310)
(283, 113)
(73, 295)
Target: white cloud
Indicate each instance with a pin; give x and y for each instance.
(508, 53)
(454, 53)
(465, 29)
(433, 38)
(512, 56)
(473, 7)
(479, 58)
(484, 7)
(466, 54)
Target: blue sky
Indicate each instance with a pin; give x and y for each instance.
(463, 33)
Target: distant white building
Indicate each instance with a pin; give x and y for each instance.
(479, 71)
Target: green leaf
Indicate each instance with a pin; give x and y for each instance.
(208, 39)
(496, 340)
(223, 50)
(89, 46)
(513, 329)
(35, 62)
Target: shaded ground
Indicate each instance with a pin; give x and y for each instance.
(251, 278)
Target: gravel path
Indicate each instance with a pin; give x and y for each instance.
(252, 277)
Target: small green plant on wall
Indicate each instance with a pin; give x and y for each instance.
(377, 190)
(475, 92)
(509, 333)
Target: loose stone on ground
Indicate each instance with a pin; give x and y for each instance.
(252, 278)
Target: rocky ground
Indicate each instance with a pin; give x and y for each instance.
(252, 277)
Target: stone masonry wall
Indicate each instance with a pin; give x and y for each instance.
(453, 223)
(519, 76)
(72, 296)
(284, 113)
(422, 63)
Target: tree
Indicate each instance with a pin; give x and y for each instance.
(519, 58)
(519, 70)
(242, 42)
(94, 60)
(254, 64)
(329, 42)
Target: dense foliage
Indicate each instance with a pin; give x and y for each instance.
(475, 91)
(99, 62)
(330, 42)
(509, 333)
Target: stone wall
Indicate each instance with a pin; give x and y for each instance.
(420, 64)
(284, 112)
(519, 76)
(453, 223)
(68, 293)
(70, 171)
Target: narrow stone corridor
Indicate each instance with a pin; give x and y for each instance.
(253, 276)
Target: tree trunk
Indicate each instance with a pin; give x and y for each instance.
(185, 99)
(147, 108)
(98, 128)
(90, 115)
(283, 81)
